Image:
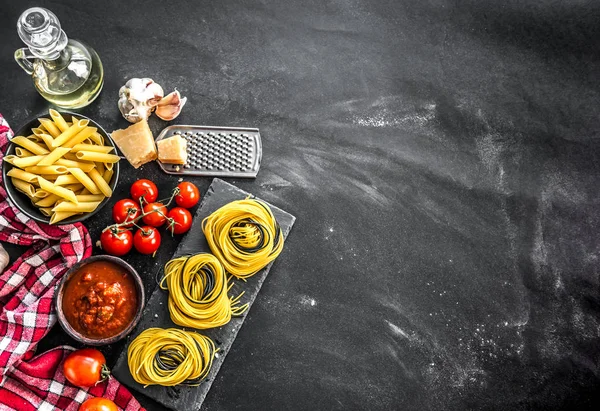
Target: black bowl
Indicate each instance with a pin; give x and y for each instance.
(60, 290)
(22, 202)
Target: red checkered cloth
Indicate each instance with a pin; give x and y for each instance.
(27, 312)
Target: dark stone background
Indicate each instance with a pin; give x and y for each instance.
(442, 159)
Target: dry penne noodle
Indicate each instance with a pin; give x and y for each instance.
(100, 183)
(59, 191)
(23, 162)
(100, 168)
(74, 187)
(84, 191)
(50, 127)
(90, 197)
(85, 180)
(97, 157)
(59, 216)
(83, 207)
(22, 175)
(107, 176)
(47, 139)
(109, 166)
(10, 159)
(97, 138)
(71, 156)
(34, 138)
(91, 147)
(37, 131)
(80, 137)
(59, 121)
(24, 187)
(50, 177)
(48, 201)
(21, 152)
(70, 132)
(53, 156)
(46, 211)
(66, 179)
(41, 193)
(29, 145)
(85, 167)
(46, 169)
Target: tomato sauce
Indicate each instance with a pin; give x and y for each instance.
(100, 299)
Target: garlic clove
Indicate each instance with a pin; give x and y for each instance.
(138, 97)
(170, 106)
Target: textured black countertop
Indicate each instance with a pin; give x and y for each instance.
(442, 159)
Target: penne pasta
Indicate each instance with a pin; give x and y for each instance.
(74, 187)
(90, 197)
(24, 187)
(59, 191)
(100, 168)
(59, 216)
(107, 176)
(41, 193)
(10, 159)
(97, 138)
(21, 152)
(83, 207)
(50, 127)
(46, 169)
(47, 139)
(84, 191)
(52, 157)
(66, 179)
(22, 175)
(80, 137)
(37, 132)
(34, 138)
(91, 147)
(70, 133)
(25, 161)
(46, 211)
(85, 180)
(59, 121)
(35, 148)
(48, 201)
(100, 183)
(85, 167)
(50, 177)
(98, 157)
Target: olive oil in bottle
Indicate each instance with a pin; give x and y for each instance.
(65, 72)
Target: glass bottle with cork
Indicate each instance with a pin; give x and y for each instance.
(65, 72)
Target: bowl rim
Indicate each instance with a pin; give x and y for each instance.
(17, 198)
(59, 292)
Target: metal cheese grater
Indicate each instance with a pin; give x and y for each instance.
(216, 151)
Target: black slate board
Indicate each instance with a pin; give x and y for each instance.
(156, 313)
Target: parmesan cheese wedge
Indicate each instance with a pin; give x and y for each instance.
(136, 143)
(172, 150)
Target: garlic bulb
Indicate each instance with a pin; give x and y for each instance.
(170, 106)
(138, 97)
(4, 259)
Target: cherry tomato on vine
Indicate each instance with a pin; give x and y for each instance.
(182, 220)
(188, 195)
(145, 188)
(155, 214)
(116, 242)
(126, 210)
(146, 240)
(86, 367)
(98, 404)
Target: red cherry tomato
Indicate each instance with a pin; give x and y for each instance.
(86, 367)
(146, 240)
(182, 220)
(116, 243)
(125, 210)
(157, 216)
(98, 404)
(188, 195)
(145, 188)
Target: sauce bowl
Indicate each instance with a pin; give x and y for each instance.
(60, 291)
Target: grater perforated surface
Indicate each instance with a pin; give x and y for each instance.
(216, 151)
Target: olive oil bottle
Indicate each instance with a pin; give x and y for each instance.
(65, 72)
